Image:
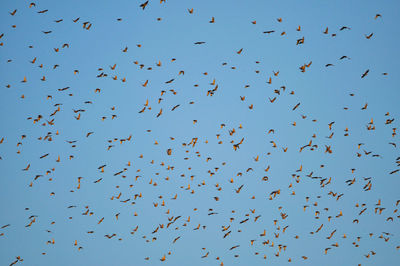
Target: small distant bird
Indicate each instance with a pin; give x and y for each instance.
(143, 5)
(365, 74)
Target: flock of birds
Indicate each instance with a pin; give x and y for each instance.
(172, 184)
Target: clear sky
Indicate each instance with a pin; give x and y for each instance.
(118, 132)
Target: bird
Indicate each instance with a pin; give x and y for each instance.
(369, 36)
(365, 74)
(27, 167)
(176, 106)
(296, 106)
(144, 4)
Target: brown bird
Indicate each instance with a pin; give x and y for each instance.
(369, 36)
(143, 5)
(27, 167)
(159, 113)
(239, 189)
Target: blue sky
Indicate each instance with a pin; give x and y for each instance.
(166, 31)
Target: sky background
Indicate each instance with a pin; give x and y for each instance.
(323, 93)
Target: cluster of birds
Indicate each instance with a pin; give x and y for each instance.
(173, 189)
